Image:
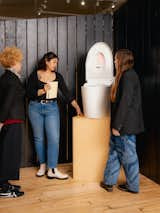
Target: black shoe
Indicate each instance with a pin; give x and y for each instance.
(10, 193)
(109, 188)
(8, 185)
(125, 188)
(12, 186)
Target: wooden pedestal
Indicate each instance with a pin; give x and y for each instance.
(90, 148)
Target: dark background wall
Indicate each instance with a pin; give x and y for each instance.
(136, 26)
(70, 38)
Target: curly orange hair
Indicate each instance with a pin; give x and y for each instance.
(9, 56)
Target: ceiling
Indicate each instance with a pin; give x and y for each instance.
(49, 8)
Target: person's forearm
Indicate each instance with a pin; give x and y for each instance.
(76, 106)
(1, 125)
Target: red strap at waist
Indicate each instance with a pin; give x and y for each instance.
(12, 121)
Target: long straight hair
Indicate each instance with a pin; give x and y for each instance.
(125, 61)
(47, 57)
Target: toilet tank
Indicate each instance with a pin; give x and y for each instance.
(99, 78)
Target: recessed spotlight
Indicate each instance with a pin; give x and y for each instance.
(83, 3)
(68, 1)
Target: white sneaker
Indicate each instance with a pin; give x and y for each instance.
(42, 170)
(54, 173)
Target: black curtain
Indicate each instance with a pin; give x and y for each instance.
(136, 27)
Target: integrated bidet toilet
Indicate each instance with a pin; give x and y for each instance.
(99, 78)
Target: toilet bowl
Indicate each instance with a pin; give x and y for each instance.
(99, 78)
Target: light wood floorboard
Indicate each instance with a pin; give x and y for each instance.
(68, 196)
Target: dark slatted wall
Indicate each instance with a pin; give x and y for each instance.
(70, 38)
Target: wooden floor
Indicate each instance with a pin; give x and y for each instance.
(68, 196)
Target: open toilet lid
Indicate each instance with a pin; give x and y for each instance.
(99, 64)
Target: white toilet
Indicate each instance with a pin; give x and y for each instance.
(99, 78)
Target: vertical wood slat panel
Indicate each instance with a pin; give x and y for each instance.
(71, 52)
(81, 35)
(90, 31)
(10, 33)
(31, 45)
(52, 35)
(21, 41)
(42, 35)
(62, 68)
(81, 54)
(2, 35)
(30, 155)
(72, 49)
(108, 30)
(62, 47)
(99, 27)
(2, 39)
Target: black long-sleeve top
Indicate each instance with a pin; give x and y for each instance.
(12, 96)
(34, 84)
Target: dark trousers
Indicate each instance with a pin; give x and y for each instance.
(10, 152)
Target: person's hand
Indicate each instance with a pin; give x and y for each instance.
(115, 132)
(47, 87)
(1, 125)
(78, 110)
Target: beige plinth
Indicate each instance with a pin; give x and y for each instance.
(90, 148)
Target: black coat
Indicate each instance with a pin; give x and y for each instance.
(11, 97)
(126, 114)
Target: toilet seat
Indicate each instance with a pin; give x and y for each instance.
(99, 65)
(99, 77)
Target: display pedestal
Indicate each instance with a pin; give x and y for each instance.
(90, 148)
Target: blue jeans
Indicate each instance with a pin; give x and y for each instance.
(45, 119)
(123, 152)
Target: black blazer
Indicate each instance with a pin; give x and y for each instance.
(126, 114)
(11, 97)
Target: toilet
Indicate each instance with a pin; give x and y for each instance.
(99, 78)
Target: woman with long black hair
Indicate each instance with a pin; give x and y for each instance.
(44, 113)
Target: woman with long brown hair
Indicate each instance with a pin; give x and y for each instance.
(126, 122)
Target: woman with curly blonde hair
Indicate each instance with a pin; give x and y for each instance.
(11, 119)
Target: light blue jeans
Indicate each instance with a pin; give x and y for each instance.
(123, 152)
(45, 119)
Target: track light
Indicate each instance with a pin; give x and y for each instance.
(83, 3)
(97, 4)
(39, 13)
(43, 6)
(68, 1)
(113, 6)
